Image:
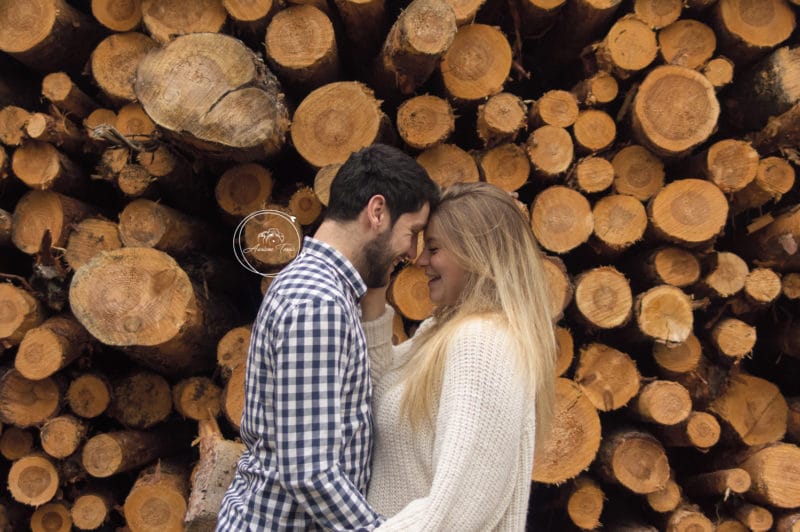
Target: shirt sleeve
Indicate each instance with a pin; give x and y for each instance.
(311, 359)
(478, 430)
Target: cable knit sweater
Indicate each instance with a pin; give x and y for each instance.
(470, 467)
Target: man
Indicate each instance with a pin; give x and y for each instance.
(307, 421)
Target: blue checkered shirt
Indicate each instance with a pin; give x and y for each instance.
(307, 422)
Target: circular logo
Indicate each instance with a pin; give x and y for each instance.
(267, 240)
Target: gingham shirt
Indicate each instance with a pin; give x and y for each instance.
(307, 422)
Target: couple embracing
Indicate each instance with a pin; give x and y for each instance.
(345, 431)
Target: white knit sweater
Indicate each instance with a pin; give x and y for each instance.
(470, 468)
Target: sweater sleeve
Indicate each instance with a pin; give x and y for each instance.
(478, 430)
(379, 343)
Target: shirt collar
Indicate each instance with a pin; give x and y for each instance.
(340, 262)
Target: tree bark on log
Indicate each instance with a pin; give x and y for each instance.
(110, 453)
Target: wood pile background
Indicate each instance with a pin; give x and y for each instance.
(654, 143)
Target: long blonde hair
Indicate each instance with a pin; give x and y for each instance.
(488, 235)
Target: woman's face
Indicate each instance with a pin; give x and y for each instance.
(446, 278)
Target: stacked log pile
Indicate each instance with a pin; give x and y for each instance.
(654, 144)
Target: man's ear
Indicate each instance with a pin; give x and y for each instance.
(376, 211)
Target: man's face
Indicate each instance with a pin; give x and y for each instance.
(392, 246)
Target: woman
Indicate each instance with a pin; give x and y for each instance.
(457, 407)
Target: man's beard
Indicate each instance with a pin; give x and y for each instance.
(378, 260)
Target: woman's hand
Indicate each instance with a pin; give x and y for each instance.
(373, 304)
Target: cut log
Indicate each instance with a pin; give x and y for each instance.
(585, 503)
(727, 273)
(61, 436)
(414, 45)
(699, 430)
(136, 182)
(774, 178)
(47, 35)
(561, 219)
(746, 32)
(687, 43)
(733, 338)
(705, 383)
(688, 519)
(719, 72)
(424, 121)
(180, 326)
(688, 211)
(364, 22)
(20, 312)
(594, 130)
(566, 351)
(51, 517)
(674, 110)
(409, 295)
(657, 13)
(592, 174)
(603, 298)
(501, 119)
(197, 398)
(637, 172)
(232, 350)
(336, 120)
(664, 314)
(133, 123)
(598, 89)
(662, 402)
(753, 409)
(554, 108)
(551, 150)
(15, 443)
(115, 452)
(140, 400)
(718, 483)
(619, 222)
(730, 164)
(573, 440)
(211, 91)
(629, 46)
(43, 167)
(166, 19)
(606, 376)
(50, 347)
(211, 477)
(57, 130)
(158, 499)
(506, 166)
(305, 206)
(89, 395)
(118, 15)
(790, 286)
(755, 518)
(301, 47)
(12, 125)
(780, 132)
(775, 245)
(114, 63)
(33, 480)
(26, 403)
(145, 223)
(788, 523)
(233, 397)
(477, 64)
(775, 474)
(88, 239)
(634, 459)
(674, 359)
(447, 164)
(561, 287)
(671, 265)
(90, 510)
(667, 498)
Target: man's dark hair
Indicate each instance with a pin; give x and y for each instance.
(384, 170)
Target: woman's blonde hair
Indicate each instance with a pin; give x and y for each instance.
(488, 235)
